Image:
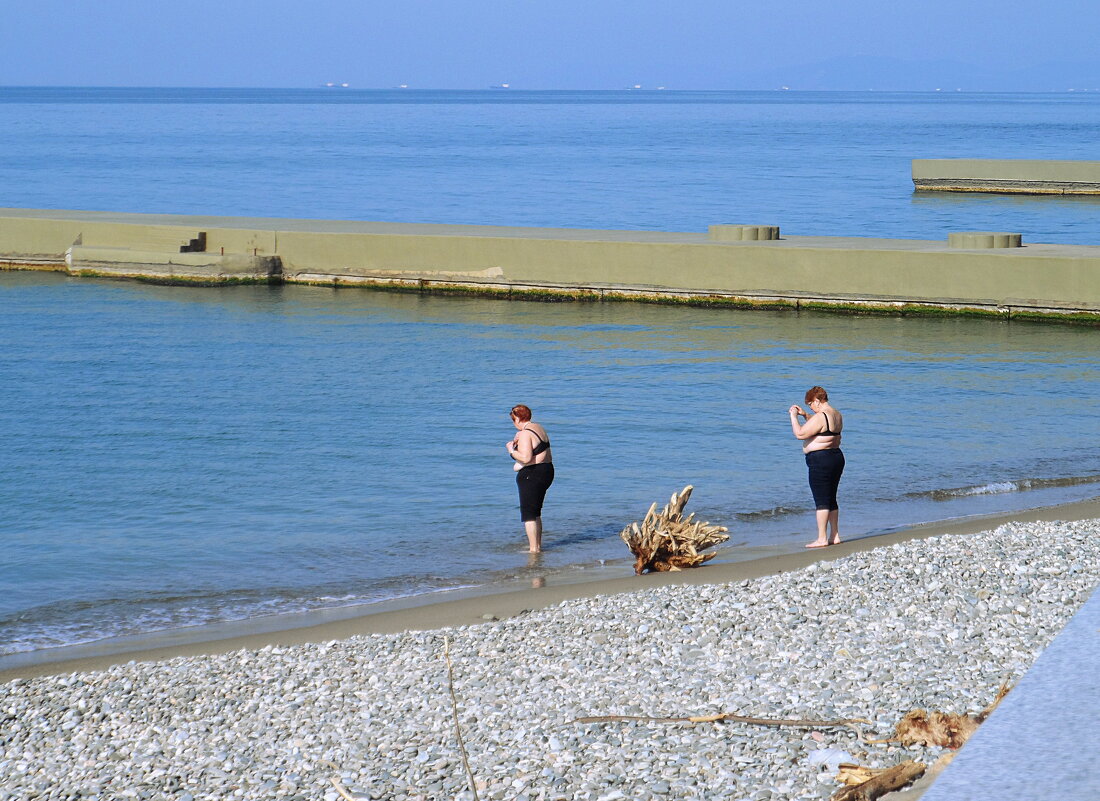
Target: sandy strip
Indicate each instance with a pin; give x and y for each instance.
(479, 608)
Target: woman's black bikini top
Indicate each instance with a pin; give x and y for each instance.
(544, 444)
(825, 433)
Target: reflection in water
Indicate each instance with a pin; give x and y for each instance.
(1034, 216)
(1015, 201)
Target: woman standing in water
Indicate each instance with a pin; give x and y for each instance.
(530, 448)
(825, 460)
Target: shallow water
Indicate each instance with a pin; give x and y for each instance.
(174, 456)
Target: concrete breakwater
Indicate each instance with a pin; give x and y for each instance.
(1013, 176)
(983, 273)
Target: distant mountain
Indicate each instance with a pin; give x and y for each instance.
(890, 74)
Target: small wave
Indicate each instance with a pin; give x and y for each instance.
(586, 535)
(81, 622)
(768, 514)
(1001, 487)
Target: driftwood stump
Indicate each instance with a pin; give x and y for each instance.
(665, 540)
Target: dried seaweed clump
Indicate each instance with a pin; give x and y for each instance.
(944, 729)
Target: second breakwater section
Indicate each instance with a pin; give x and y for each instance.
(854, 275)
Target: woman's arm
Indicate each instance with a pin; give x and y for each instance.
(522, 448)
(811, 428)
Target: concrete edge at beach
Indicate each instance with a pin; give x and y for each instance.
(479, 608)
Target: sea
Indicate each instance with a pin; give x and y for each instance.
(174, 458)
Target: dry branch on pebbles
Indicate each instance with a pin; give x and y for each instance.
(666, 541)
(873, 784)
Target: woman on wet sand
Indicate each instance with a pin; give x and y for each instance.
(530, 448)
(824, 459)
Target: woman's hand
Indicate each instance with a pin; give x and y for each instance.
(798, 411)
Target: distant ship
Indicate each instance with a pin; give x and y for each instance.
(501, 86)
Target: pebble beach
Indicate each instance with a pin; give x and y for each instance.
(937, 623)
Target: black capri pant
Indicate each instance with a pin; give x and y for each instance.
(533, 481)
(825, 469)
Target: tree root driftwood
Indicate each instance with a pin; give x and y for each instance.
(665, 540)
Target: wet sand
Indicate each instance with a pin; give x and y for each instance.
(422, 614)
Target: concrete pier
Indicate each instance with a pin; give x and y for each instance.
(1015, 176)
(993, 274)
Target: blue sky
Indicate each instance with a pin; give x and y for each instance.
(694, 44)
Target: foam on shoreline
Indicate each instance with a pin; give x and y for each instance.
(475, 604)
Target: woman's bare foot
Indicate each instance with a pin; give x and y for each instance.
(836, 541)
(816, 544)
(534, 535)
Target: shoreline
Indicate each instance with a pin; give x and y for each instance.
(470, 607)
(586, 700)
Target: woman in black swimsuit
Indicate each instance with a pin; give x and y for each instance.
(824, 460)
(530, 448)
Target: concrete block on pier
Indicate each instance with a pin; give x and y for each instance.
(981, 240)
(743, 233)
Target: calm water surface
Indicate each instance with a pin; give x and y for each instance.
(174, 456)
(814, 163)
(177, 456)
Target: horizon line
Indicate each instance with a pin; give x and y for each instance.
(504, 88)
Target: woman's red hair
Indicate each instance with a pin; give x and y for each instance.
(818, 394)
(521, 412)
